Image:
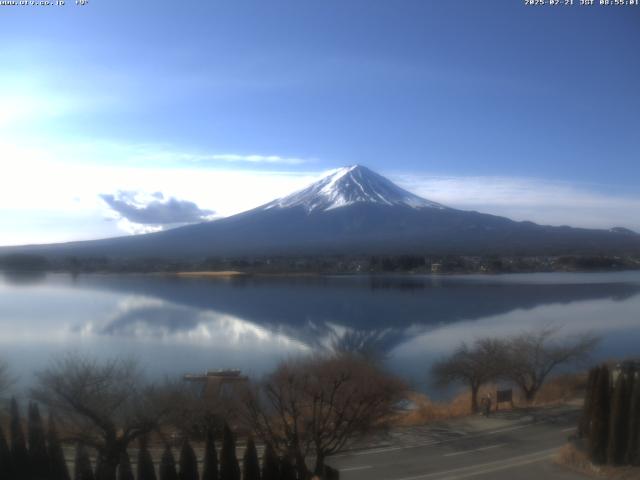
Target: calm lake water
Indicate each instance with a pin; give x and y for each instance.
(174, 326)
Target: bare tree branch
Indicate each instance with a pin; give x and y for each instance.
(105, 405)
(317, 406)
(533, 355)
(473, 365)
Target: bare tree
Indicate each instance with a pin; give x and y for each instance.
(315, 407)
(533, 355)
(474, 365)
(193, 414)
(104, 405)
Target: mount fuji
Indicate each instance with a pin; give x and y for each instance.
(353, 210)
(348, 186)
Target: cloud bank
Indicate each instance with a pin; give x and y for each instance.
(144, 213)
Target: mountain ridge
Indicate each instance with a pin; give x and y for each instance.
(352, 210)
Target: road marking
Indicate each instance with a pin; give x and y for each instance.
(568, 429)
(488, 467)
(433, 442)
(383, 450)
(453, 454)
(351, 469)
(509, 429)
(500, 467)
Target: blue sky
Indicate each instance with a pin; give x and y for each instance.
(218, 106)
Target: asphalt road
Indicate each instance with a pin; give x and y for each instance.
(518, 447)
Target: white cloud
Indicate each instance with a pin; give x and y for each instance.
(170, 155)
(537, 200)
(141, 212)
(49, 191)
(52, 195)
(133, 228)
(257, 159)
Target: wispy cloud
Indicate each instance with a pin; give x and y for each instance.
(257, 159)
(539, 200)
(166, 154)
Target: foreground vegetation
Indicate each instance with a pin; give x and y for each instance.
(305, 411)
(525, 360)
(610, 422)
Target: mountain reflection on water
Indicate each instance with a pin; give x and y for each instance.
(176, 324)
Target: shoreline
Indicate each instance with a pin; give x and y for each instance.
(230, 274)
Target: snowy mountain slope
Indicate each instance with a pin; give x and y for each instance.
(350, 185)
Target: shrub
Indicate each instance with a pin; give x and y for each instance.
(600, 418)
(168, 465)
(188, 463)
(250, 464)
(210, 468)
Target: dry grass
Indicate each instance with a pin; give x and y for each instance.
(574, 458)
(558, 390)
(429, 411)
(571, 456)
(561, 389)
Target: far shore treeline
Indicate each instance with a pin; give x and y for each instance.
(327, 264)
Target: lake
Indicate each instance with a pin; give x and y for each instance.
(179, 325)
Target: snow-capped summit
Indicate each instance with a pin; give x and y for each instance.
(349, 185)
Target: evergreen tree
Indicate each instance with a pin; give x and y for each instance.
(37, 444)
(100, 472)
(229, 468)
(633, 444)
(5, 457)
(270, 464)
(19, 452)
(210, 468)
(146, 470)
(124, 467)
(188, 463)
(250, 464)
(83, 470)
(585, 419)
(57, 464)
(618, 424)
(287, 472)
(600, 418)
(168, 465)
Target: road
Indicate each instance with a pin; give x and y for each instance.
(507, 446)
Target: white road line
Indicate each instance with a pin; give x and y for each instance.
(383, 450)
(428, 444)
(509, 429)
(454, 454)
(500, 467)
(568, 429)
(473, 470)
(369, 452)
(351, 469)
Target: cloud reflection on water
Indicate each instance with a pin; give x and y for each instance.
(148, 319)
(176, 326)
